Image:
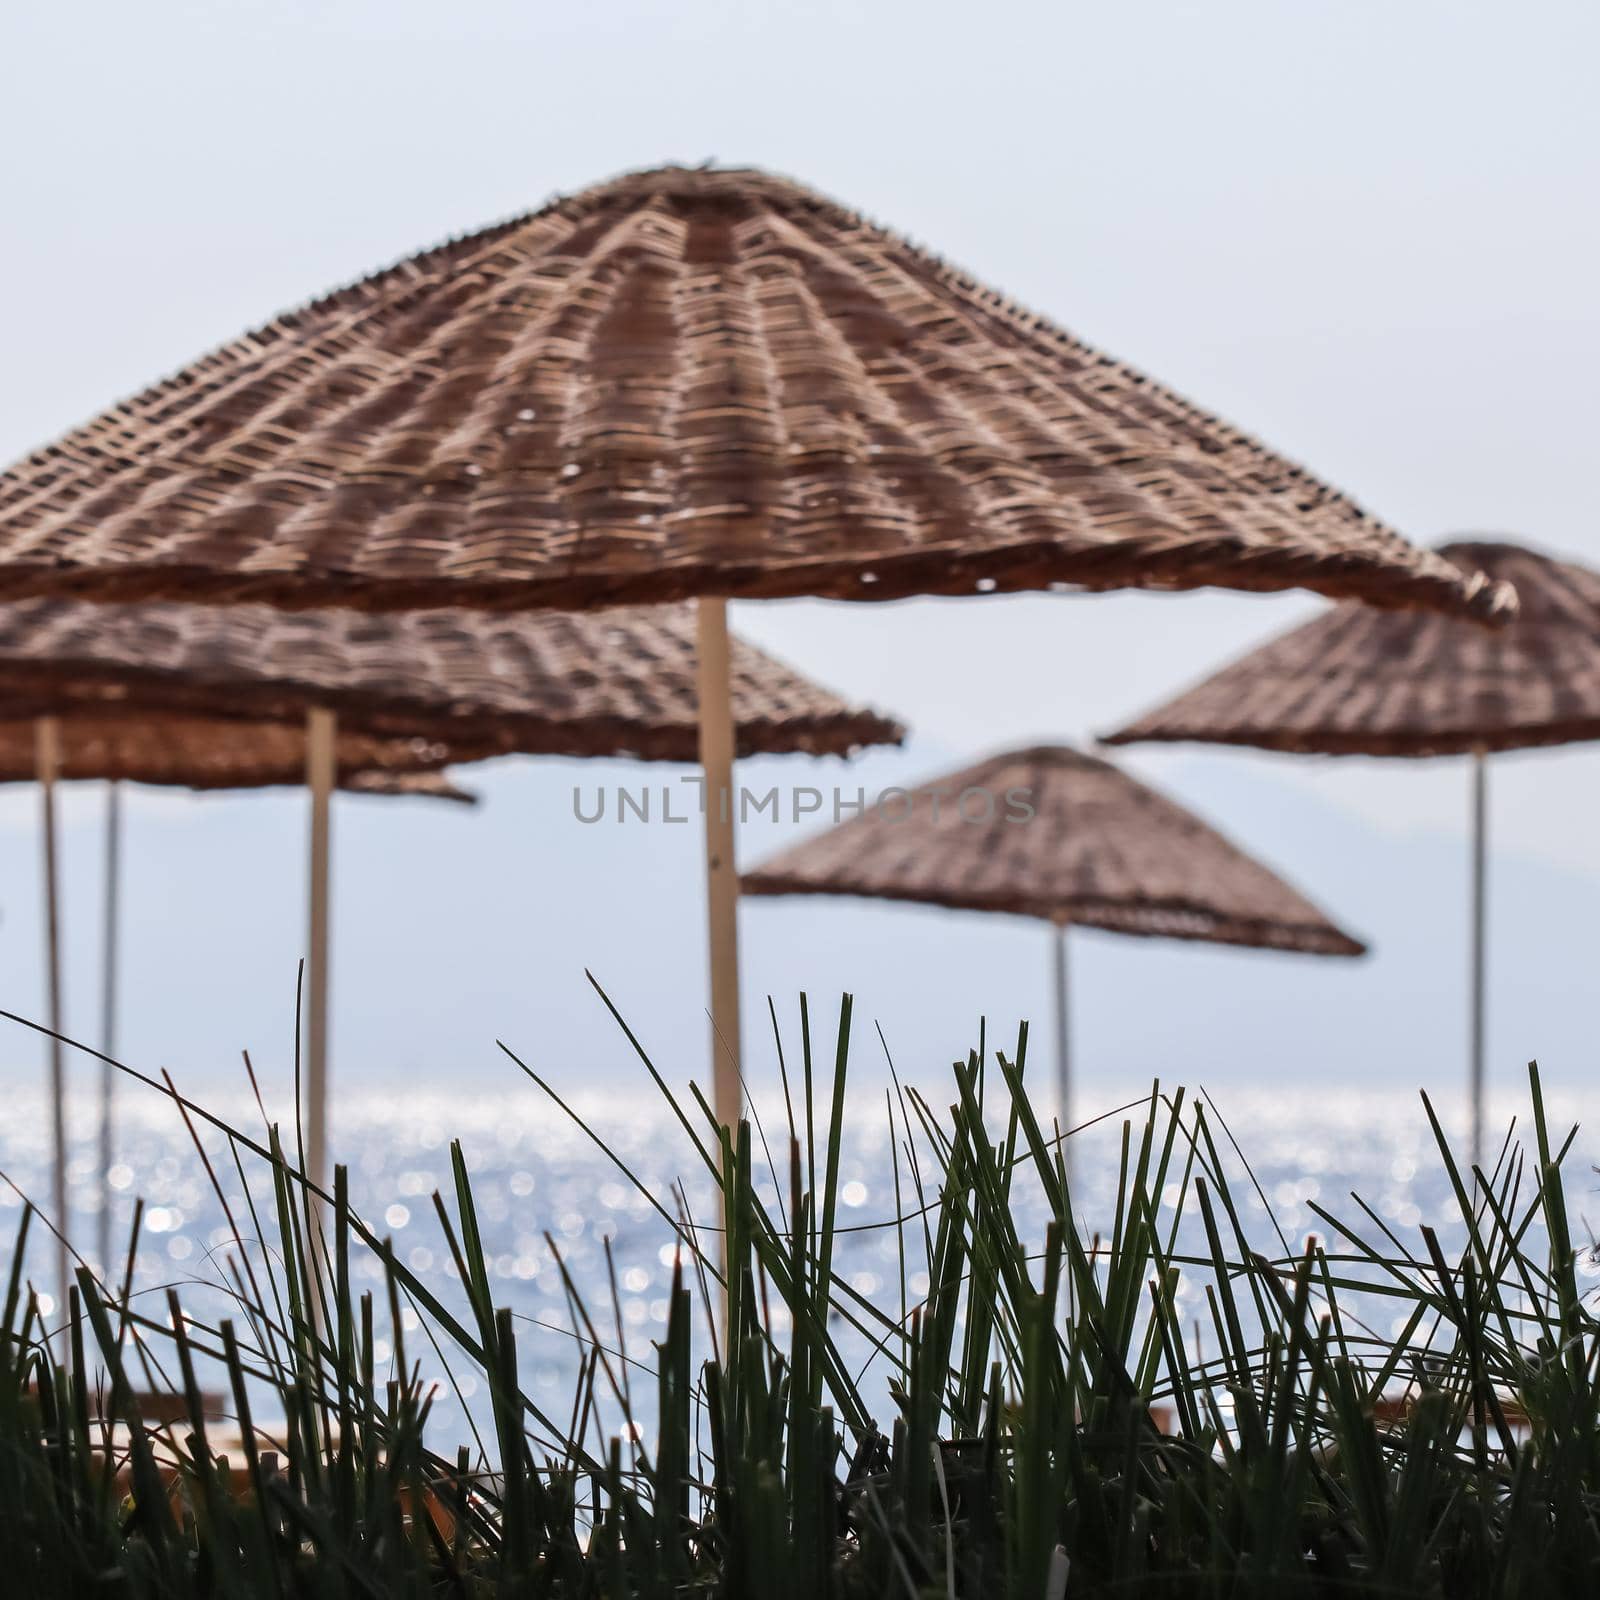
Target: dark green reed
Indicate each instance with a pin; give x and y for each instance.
(1055, 1425)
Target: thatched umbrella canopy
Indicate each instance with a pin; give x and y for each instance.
(188, 751)
(678, 384)
(1358, 682)
(1056, 834)
(621, 682)
(1355, 681)
(675, 383)
(1066, 837)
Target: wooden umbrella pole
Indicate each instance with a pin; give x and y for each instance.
(1480, 832)
(1063, 1044)
(321, 762)
(108, 1011)
(47, 763)
(722, 879)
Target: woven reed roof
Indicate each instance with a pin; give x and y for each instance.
(620, 682)
(213, 753)
(1102, 850)
(1359, 682)
(675, 383)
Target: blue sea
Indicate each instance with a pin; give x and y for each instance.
(550, 1201)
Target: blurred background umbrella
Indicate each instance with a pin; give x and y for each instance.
(1065, 837)
(241, 696)
(680, 383)
(1355, 681)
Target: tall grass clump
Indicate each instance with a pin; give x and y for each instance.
(1155, 1405)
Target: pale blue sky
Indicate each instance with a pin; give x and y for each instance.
(1366, 231)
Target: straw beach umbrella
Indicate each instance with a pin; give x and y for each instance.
(221, 696)
(1065, 837)
(679, 384)
(1355, 682)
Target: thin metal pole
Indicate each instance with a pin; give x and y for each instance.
(108, 1010)
(1063, 1044)
(321, 735)
(722, 879)
(1480, 891)
(47, 765)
